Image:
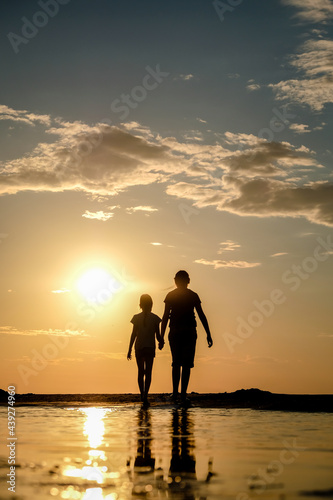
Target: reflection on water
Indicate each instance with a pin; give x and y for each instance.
(123, 452)
(142, 474)
(93, 429)
(179, 479)
(94, 425)
(182, 475)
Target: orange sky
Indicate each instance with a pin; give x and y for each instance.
(146, 140)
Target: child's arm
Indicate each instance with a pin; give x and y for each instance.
(132, 340)
(204, 322)
(158, 337)
(165, 320)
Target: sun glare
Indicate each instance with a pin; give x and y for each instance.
(97, 285)
(94, 426)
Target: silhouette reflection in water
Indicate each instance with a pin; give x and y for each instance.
(144, 462)
(180, 481)
(143, 475)
(182, 474)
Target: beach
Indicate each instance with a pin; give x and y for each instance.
(243, 398)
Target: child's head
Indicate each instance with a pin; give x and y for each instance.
(182, 279)
(146, 302)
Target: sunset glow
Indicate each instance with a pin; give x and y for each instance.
(137, 142)
(97, 286)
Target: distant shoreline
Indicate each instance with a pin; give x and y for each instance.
(244, 398)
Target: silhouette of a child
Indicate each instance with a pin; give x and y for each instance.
(146, 326)
(179, 308)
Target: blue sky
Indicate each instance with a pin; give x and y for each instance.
(152, 136)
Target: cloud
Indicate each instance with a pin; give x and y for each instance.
(312, 11)
(100, 160)
(242, 139)
(228, 246)
(314, 58)
(267, 159)
(253, 86)
(273, 197)
(141, 208)
(11, 330)
(264, 359)
(279, 254)
(158, 244)
(61, 290)
(263, 198)
(23, 116)
(56, 361)
(314, 93)
(315, 89)
(100, 215)
(98, 355)
(321, 126)
(193, 135)
(246, 175)
(299, 128)
(184, 77)
(238, 264)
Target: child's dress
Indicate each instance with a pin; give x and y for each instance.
(146, 328)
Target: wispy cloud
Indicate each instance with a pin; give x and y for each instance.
(279, 254)
(228, 246)
(184, 77)
(312, 11)
(237, 264)
(11, 330)
(100, 215)
(264, 359)
(23, 116)
(99, 355)
(61, 290)
(299, 128)
(141, 208)
(253, 86)
(315, 88)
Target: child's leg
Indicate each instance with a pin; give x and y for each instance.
(141, 371)
(186, 371)
(175, 378)
(148, 370)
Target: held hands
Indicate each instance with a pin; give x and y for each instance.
(209, 341)
(161, 344)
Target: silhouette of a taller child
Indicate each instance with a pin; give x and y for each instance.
(179, 309)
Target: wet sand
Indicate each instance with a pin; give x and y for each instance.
(244, 398)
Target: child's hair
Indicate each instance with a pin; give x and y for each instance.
(146, 304)
(182, 276)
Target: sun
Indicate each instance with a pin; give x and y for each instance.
(97, 285)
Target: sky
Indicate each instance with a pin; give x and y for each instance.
(140, 138)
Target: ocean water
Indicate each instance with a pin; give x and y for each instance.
(122, 452)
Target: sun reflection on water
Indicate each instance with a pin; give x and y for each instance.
(93, 469)
(94, 427)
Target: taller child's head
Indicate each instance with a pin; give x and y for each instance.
(146, 302)
(182, 279)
